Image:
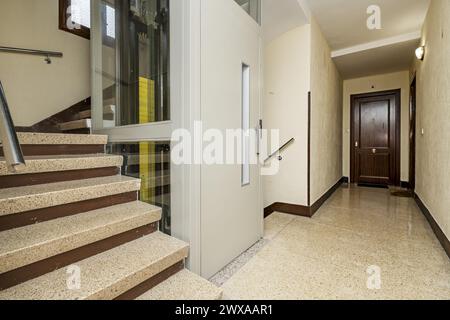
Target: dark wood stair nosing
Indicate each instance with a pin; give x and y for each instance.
(152, 282)
(59, 149)
(22, 219)
(29, 179)
(20, 275)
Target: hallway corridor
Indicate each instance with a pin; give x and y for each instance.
(330, 255)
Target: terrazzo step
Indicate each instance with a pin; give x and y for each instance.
(75, 125)
(108, 113)
(56, 163)
(184, 285)
(26, 245)
(22, 199)
(33, 138)
(107, 275)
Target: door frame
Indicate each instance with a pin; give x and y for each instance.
(353, 98)
(412, 134)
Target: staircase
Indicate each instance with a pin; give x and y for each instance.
(82, 122)
(72, 228)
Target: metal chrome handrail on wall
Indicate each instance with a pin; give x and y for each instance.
(10, 143)
(280, 149)
(46, 54)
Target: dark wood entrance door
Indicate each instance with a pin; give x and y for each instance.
(375, 138)
(412, 136)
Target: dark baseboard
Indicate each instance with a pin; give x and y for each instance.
(299, 210)
(268, 211)
(316, 206)
(288, 208)
(345, 180)
(434, 225)
(50, 124)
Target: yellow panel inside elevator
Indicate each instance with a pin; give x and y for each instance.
(147, 168)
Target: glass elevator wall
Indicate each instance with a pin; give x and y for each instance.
(130, 57)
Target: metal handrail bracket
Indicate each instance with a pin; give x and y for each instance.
(10, 143)
(280, 149)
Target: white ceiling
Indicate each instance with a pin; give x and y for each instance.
(280, 16)
(344, 22)
(386, 59)
(363, 52)
(357, 50)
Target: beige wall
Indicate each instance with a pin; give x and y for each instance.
(433, 115)
(34, 89)
(397, 80)
(285, 107)
(326, 117)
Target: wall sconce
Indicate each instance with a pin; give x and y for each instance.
(420, 53)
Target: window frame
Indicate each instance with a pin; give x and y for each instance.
(84, 31)
(63, 17)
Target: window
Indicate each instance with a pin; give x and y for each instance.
(75, 17)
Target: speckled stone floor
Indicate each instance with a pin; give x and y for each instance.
(362, 244)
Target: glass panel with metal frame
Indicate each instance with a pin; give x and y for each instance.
(134, 68)
(150, 162)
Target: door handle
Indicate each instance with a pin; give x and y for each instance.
(356, 144)
(259, 136)
(374, 151)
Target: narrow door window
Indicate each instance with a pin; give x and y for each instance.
(245, 124)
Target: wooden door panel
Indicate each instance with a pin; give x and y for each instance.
(374, 124)
(375, 137)
(374, 168)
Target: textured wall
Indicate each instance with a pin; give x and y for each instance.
(34, 89)
(326, 117)
(285, 107)
(433, 115)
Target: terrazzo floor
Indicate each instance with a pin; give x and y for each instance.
(362, 244)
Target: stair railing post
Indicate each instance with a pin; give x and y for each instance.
(10, 143)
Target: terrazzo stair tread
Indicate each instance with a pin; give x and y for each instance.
(184, 285)
(108, 274)
(22, 199)
(75, 125)
(26, 245)
(34, 138)
(107, 111)
(38, 164)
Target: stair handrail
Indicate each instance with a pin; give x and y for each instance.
(280, 149)
(46, 54)
(10, 143)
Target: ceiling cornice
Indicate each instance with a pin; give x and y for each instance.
(377, 44)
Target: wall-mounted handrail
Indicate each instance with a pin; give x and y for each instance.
(10, 143)
(46, 54)
(280, 149)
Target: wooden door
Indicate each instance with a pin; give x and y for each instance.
(375, 157)
(412, 137)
